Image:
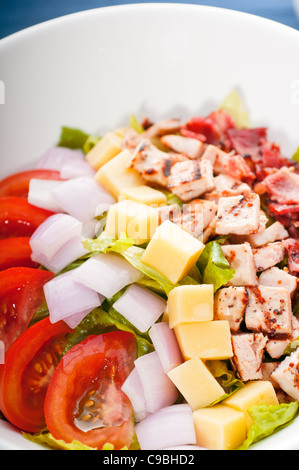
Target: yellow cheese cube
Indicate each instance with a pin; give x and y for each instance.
(145, 195)
(115, 174)
(219, 428)
(172, 251)
(252, 394)
(207, 340)
(137, 221)
(196, 383)
(106, 148)
(188, 304)
(120, 131)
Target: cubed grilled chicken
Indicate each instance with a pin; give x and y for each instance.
(153, 164)
(275, 277)
(169, 212)
(249, 350)
(268, 255)
(277, 345)
(238, 215)
(240, 258)
(192, 148)
(271, 234)
(226, 186)
(165, 126)
(131, 139)
(287, 375)
(191, 179)
(230, 305)
(269, 310)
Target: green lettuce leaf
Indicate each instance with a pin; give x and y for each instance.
(268, 419)
(213, 266)
(225, 377)
(296, 155)
(47, 440)
(135, 124)
(234, 106)
(77, 139)
(101, 321)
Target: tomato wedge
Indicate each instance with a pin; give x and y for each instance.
(18, 183)
(29, 366)
(21, 294)
(84, 400)
(18, 218)
(16, 251)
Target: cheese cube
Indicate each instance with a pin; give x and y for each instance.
(115, 174)
(106, 148)
(189, 304)
(219, 428)
(252, 394)
(172, 251)
(206, 340)
(137, 221)
(145, 195)
(196, 383)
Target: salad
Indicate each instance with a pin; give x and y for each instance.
(149, 287)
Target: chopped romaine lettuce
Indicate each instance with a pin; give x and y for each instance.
(296, 155)
(213, 266)
(225, 377)
(77, 139)
(268, 419)
(46, 439)
(234, 106)
(135, 124)
(100, 321)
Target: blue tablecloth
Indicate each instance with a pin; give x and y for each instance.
(19, 14)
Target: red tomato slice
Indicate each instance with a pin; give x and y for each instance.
(18, 218)
(29, 366)
(21, 294)
(18, 183)
(16, 251)
(84, 400)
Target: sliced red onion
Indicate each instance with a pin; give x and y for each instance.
(89, 228)
(67, 254)
(76, 168)
(53, 233)
(66, 298)
(107, 274)
(168, 427)
(80, 197)
(39, 194)
(2, 352)
(140, 306)
(159, 391)
(55, 158)
(166, 345)
(133, 388)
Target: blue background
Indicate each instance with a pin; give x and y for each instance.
(19, 14)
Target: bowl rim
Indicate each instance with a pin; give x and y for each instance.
(112, 9)
(289, 433)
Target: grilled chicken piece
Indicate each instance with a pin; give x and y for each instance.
(287, 375)
(277, 345)
(226, 186)
(165, 126)
(270, 234)
(192, 148)
(275, 277)
(268, 255)
(131, 139)
(238, 215)
(269, 310)
(230, 305)
(153, 164)
(249, 350)
(169, 212)
(191, 179)
(240, 258)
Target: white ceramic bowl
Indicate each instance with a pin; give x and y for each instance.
(93, 69)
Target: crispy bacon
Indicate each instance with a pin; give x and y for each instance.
(248, 141)
(283, 186)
